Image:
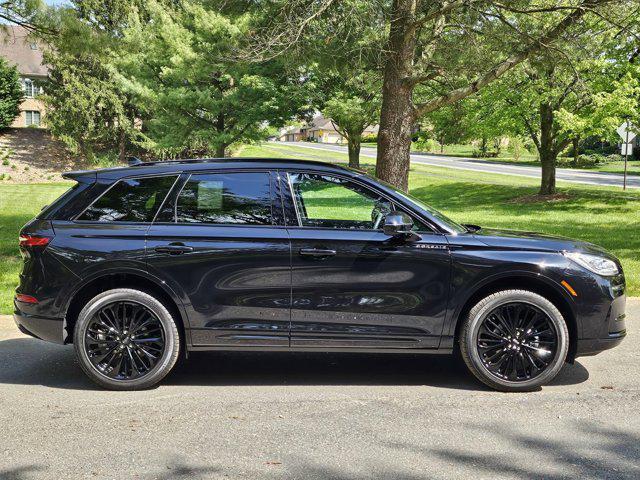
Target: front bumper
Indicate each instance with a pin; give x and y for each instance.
(43, 328)
(593, 346)
(606, 333)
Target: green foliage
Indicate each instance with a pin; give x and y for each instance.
(426, 144)
(10, 93)
(589, 160)
(88, 108)
(198, 98)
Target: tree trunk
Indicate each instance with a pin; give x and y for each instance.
(353, 145)
(220, 150)
(396, 117)
(122, 147)
(483, 147)
(576, 142)
(547, 150)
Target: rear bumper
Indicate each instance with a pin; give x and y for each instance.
(49, 329)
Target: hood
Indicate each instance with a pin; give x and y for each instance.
(513, 239)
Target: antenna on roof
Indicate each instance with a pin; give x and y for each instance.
(131, 161)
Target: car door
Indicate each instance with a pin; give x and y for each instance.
(354, 286)
(219, 242)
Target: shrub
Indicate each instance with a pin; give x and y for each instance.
(583, 161)
(373, 138)
(477, 153)
(426, 145)
(5, 162)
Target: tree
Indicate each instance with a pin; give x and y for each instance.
(353, 106)
(557, 99)
(447, 126)
(88, 107)
(199, 99)
(10, 93)
(436, 53)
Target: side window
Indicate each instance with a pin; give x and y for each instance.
(332, 202)
(226, 198)
(130, 200)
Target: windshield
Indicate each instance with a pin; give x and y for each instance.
(454, 226)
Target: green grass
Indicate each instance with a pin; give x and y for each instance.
(18, 205)
(602, 215)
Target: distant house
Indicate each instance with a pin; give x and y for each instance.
(320, 130)
(26, 55)
(292, 134)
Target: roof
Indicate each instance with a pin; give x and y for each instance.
(321, 123)
(185, 165)
(17, 49)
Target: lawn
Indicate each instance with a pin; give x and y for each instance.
(18, 205)
(601, 215)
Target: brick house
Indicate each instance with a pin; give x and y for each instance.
(26, 55)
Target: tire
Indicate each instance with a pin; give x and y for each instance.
(522, 352)
(135, 359)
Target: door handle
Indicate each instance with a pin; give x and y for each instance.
(173, 249)
(317, 252)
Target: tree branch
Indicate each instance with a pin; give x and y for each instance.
(509, 63)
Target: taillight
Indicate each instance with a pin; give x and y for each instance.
(21, 297)
(34, 241)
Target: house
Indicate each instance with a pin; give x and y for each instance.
(26, 55)
(292, 134)
(322, 130)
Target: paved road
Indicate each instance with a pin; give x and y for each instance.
(277, 416)
(473, 164)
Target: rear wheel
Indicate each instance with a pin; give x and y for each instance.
(514, 340)
(126, 339)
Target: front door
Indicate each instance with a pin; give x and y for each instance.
(354, 286)
(217, 241)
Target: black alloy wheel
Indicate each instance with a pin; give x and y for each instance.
(517, 341)
(124, 340)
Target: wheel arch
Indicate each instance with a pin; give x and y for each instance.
(536, 283)
(137, 280)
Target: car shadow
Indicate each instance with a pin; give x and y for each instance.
(27, 361)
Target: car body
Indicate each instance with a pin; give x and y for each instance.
(272, 273)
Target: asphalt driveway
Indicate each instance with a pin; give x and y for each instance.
(316, 416)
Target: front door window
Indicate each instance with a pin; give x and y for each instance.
(324, 201)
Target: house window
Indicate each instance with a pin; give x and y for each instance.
(32, 117)
(30, 88)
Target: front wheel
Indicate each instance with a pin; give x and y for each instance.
(126, 339)
(514, 341)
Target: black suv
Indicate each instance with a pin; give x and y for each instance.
(133, 265)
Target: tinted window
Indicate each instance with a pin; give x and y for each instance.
(130, 200)
(226, 198)
(333, 202)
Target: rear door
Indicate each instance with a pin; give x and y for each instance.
(221, 242)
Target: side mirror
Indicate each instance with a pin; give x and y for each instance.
(397, 223)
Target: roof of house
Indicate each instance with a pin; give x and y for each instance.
(21, 51)
(320, 123)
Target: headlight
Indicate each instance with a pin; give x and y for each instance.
(596, 264)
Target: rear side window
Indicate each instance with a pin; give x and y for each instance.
(130, 200)
(226, 198)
